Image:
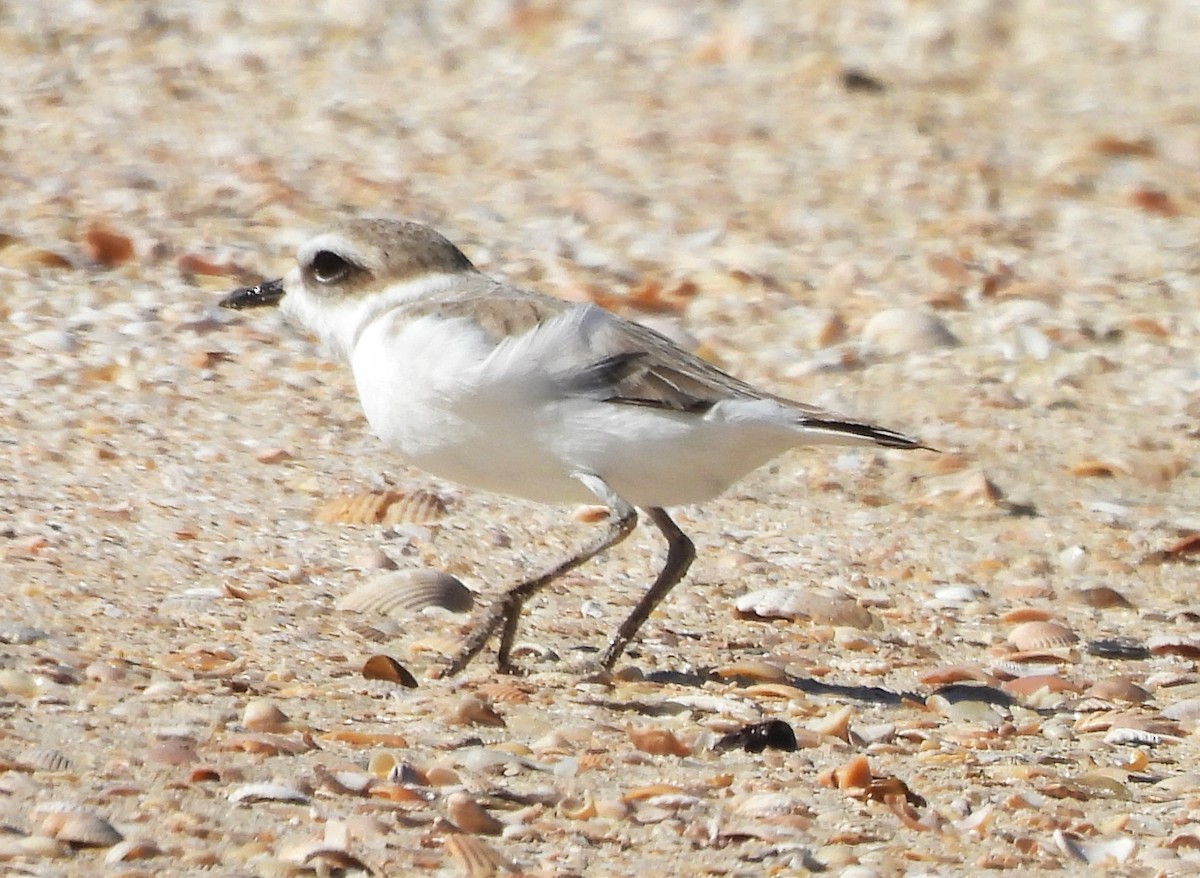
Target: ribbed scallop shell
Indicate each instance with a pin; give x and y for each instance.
(384, 507)
(474, 857)
(404, 593)
(45, 759)
(1034, 636)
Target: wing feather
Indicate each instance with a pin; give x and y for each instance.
(613, 360)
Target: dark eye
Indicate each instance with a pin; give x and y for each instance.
(328, 267)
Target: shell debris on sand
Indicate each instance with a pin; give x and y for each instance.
(832, 200)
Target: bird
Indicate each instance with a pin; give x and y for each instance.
(515, 392)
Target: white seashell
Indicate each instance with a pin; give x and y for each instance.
(1137, 737)
(268, 791)
(404, 593)
(905, 331)
(1016, 670)
(770, 805)
(56, 340)
(959, 594)
(797, 603)
(1072, 559)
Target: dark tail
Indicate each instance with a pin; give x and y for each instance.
(848, 430)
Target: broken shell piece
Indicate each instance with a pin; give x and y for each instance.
(269, 792)
(854, 775)
(1112, 851)
(472, 711)
(471, 817)
(836, 725)
(658, 742)
(1118, 689)
(132, 849)
(360, 738)
(749, 669)
(344, 783)
(578, 809)
(404, 593)
(386, 668)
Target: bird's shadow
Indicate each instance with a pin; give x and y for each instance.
(704, 676)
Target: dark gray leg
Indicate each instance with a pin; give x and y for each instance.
(680, 554)
(506, 610)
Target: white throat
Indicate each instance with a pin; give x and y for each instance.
(339, 322)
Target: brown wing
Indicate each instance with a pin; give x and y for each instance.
(650, 370)
(657, 373)
(624, 363)
(474, 298)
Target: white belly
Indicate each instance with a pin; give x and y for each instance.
(425, 395)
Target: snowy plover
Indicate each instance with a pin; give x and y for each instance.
(511, 391)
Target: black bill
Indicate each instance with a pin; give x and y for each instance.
(269, 292)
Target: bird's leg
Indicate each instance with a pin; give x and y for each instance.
(506, 610)
(680, 554)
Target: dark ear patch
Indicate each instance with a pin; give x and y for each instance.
(328, 268)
